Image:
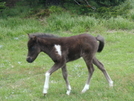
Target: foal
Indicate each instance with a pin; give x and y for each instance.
(64, 49)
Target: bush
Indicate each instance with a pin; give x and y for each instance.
(108, 12)
(2, 6)
(55, 9)
(21, 11)
(109, 2)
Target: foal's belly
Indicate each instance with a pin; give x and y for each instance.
(72, 57)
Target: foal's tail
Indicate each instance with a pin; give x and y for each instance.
(101, 43)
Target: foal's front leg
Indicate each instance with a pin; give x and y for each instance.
(55, 67)
(65, 76)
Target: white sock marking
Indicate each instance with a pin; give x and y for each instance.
(46, 84)
(86, 87)
(111, 83)
(68, 90)
(58, 49)
(108, 79)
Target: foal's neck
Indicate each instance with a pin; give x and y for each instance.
(47, 44)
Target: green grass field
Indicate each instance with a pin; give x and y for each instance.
(21, 81)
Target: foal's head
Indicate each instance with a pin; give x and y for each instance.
(33, 48)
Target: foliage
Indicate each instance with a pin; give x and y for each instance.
(108, 12)
(100, 11)
(35, 8)
(21, 11)
(108, 3)
(2, 5)
(44, 12)
(55, 9)
(87, 2)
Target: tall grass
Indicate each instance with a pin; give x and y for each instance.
(119, 23)
(67, 22)
(62, 22)
(79, 24)
(13, 27)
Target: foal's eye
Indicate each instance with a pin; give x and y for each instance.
(32, 48)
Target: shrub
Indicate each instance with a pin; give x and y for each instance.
(21, 11)
(2, 6)
(55, 9)
(113, 11)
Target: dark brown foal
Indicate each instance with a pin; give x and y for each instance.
(65, 49)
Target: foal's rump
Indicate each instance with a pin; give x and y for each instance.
(83, 45)
(90, 42)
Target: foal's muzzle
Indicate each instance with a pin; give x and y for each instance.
(29, 59)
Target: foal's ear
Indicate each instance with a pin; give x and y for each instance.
(32, 37)
(28, 35)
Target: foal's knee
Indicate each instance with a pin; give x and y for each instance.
(91, 69)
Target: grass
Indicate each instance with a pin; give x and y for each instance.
(21, 81)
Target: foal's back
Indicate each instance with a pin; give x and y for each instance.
(83, 42)
(79, 45)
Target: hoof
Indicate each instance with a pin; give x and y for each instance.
(86, 87)
(45, 94)
(68, 92)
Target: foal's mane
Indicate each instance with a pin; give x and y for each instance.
(43, 35)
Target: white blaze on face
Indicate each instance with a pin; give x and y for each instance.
(58, 49)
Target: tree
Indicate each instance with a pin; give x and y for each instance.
(2, 5)
(108, 3)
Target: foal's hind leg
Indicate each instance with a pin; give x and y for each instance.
(90, 70)
(65, 76)
(101, 67)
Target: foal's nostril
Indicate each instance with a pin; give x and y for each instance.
(29, 60)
